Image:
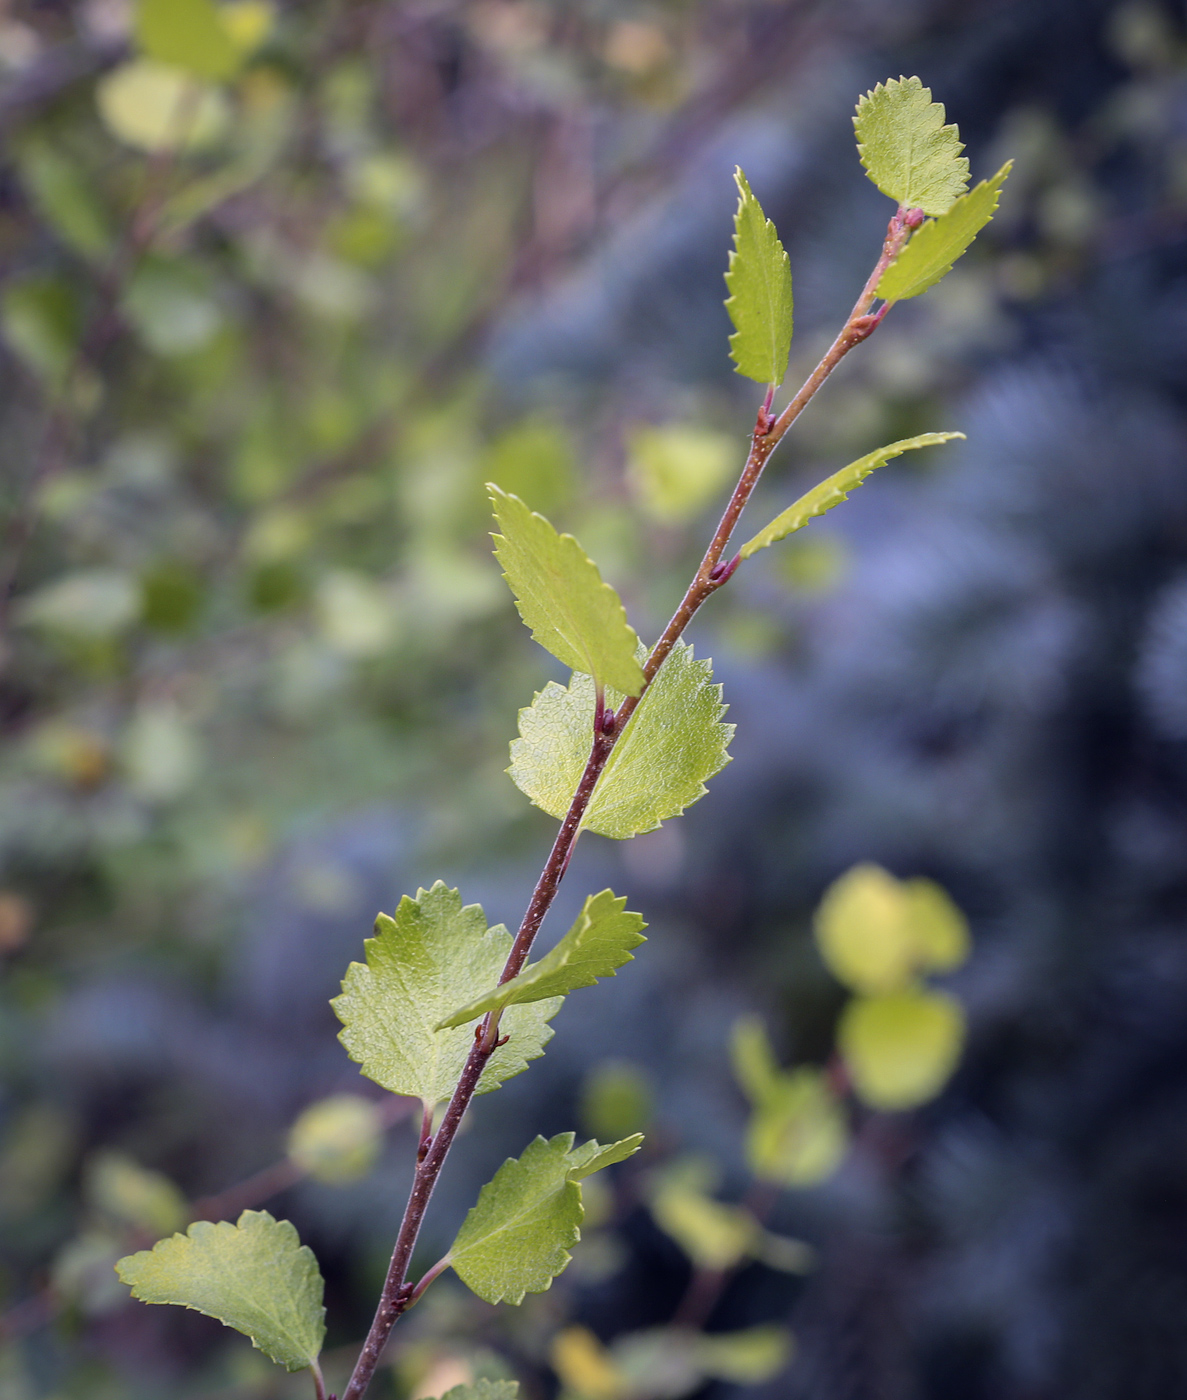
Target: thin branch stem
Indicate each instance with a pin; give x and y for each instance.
(435, 1272)
(398, 1295)
(319, 1384)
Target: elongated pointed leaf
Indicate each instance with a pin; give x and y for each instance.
(673, 744)
(907, 150)
(516, 1239)
(420, 965)
(188, 34)
(835, 489)
(561, 597)
(597, 945)
(760, 300)
(591, 1157)
(934, 248)
(254, 1276)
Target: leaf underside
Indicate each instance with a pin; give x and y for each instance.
(254, 1276)
(907, 150)
(561, 597)
(432, 956)
(932, 249)
(674, 743)
(599, 943)
(516, 1238)
(834, 489)
(760, 301)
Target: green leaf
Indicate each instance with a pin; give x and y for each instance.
(127, 1193)
(760, 302)
(901, 1049)
(561, 597)
(674, 743)
(255, 1276)
(713, 1235)
(154, 106)
(516, 1239)
(64, 198)
(484, 1390)
(797, 1135)
(936, 246)
(746, 1358)
(835, 489)
(420, 965)
(616, 1099)
(876, 933)
(189, 35)
(907, 150)
(337, 1139)
(597, 945)
(591, 1157)
(676, 471)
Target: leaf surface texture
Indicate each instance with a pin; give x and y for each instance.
(674, 743)
(907, 150)
(254, 1276)
(421, 964)
(760, 299)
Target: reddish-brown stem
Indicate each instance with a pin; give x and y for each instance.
(319, 1384)
(398, 1295)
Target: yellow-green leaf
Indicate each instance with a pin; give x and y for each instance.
(835, 489)
(907, 150)
(337, 1139)
(674, 743)
(936, 246)
(597, 945)
(562, 599)
(797, 1134)
(155, 107)
(254, 1276)
(188, 34)
(129, 1194)
(433, 955)
(760, 300)
(516, 1239)
(876, 933)
(713, 1234)
(901, 1048)
(676, 471)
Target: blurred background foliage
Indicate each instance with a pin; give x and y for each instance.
(267, 328)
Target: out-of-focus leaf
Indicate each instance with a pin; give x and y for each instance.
(876, 933)
(599, 943)
(713, 1235)
(337, 1139)
(616, 1100)
(129, 1194)
(160, 751)
(835, 489)
(674, 743)
(932, 249)
(483, 1389)
(760, 301)
(152, 106)
(188, 34)
(247, 23)
(171, 307)
(747, 1358)
(83, 1274)
(562, 598)
(534, 461)
(433, 955)
(584, 1366)
(516, 1239)
(42, 318)
(90, 603)
(901, 1048)
(797, 1134)
(357, 615)
(64, 197)
(907, 150)
(254, 1276)
(677, 471)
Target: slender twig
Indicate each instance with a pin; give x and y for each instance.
(319, 1384)
(398, 1294)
